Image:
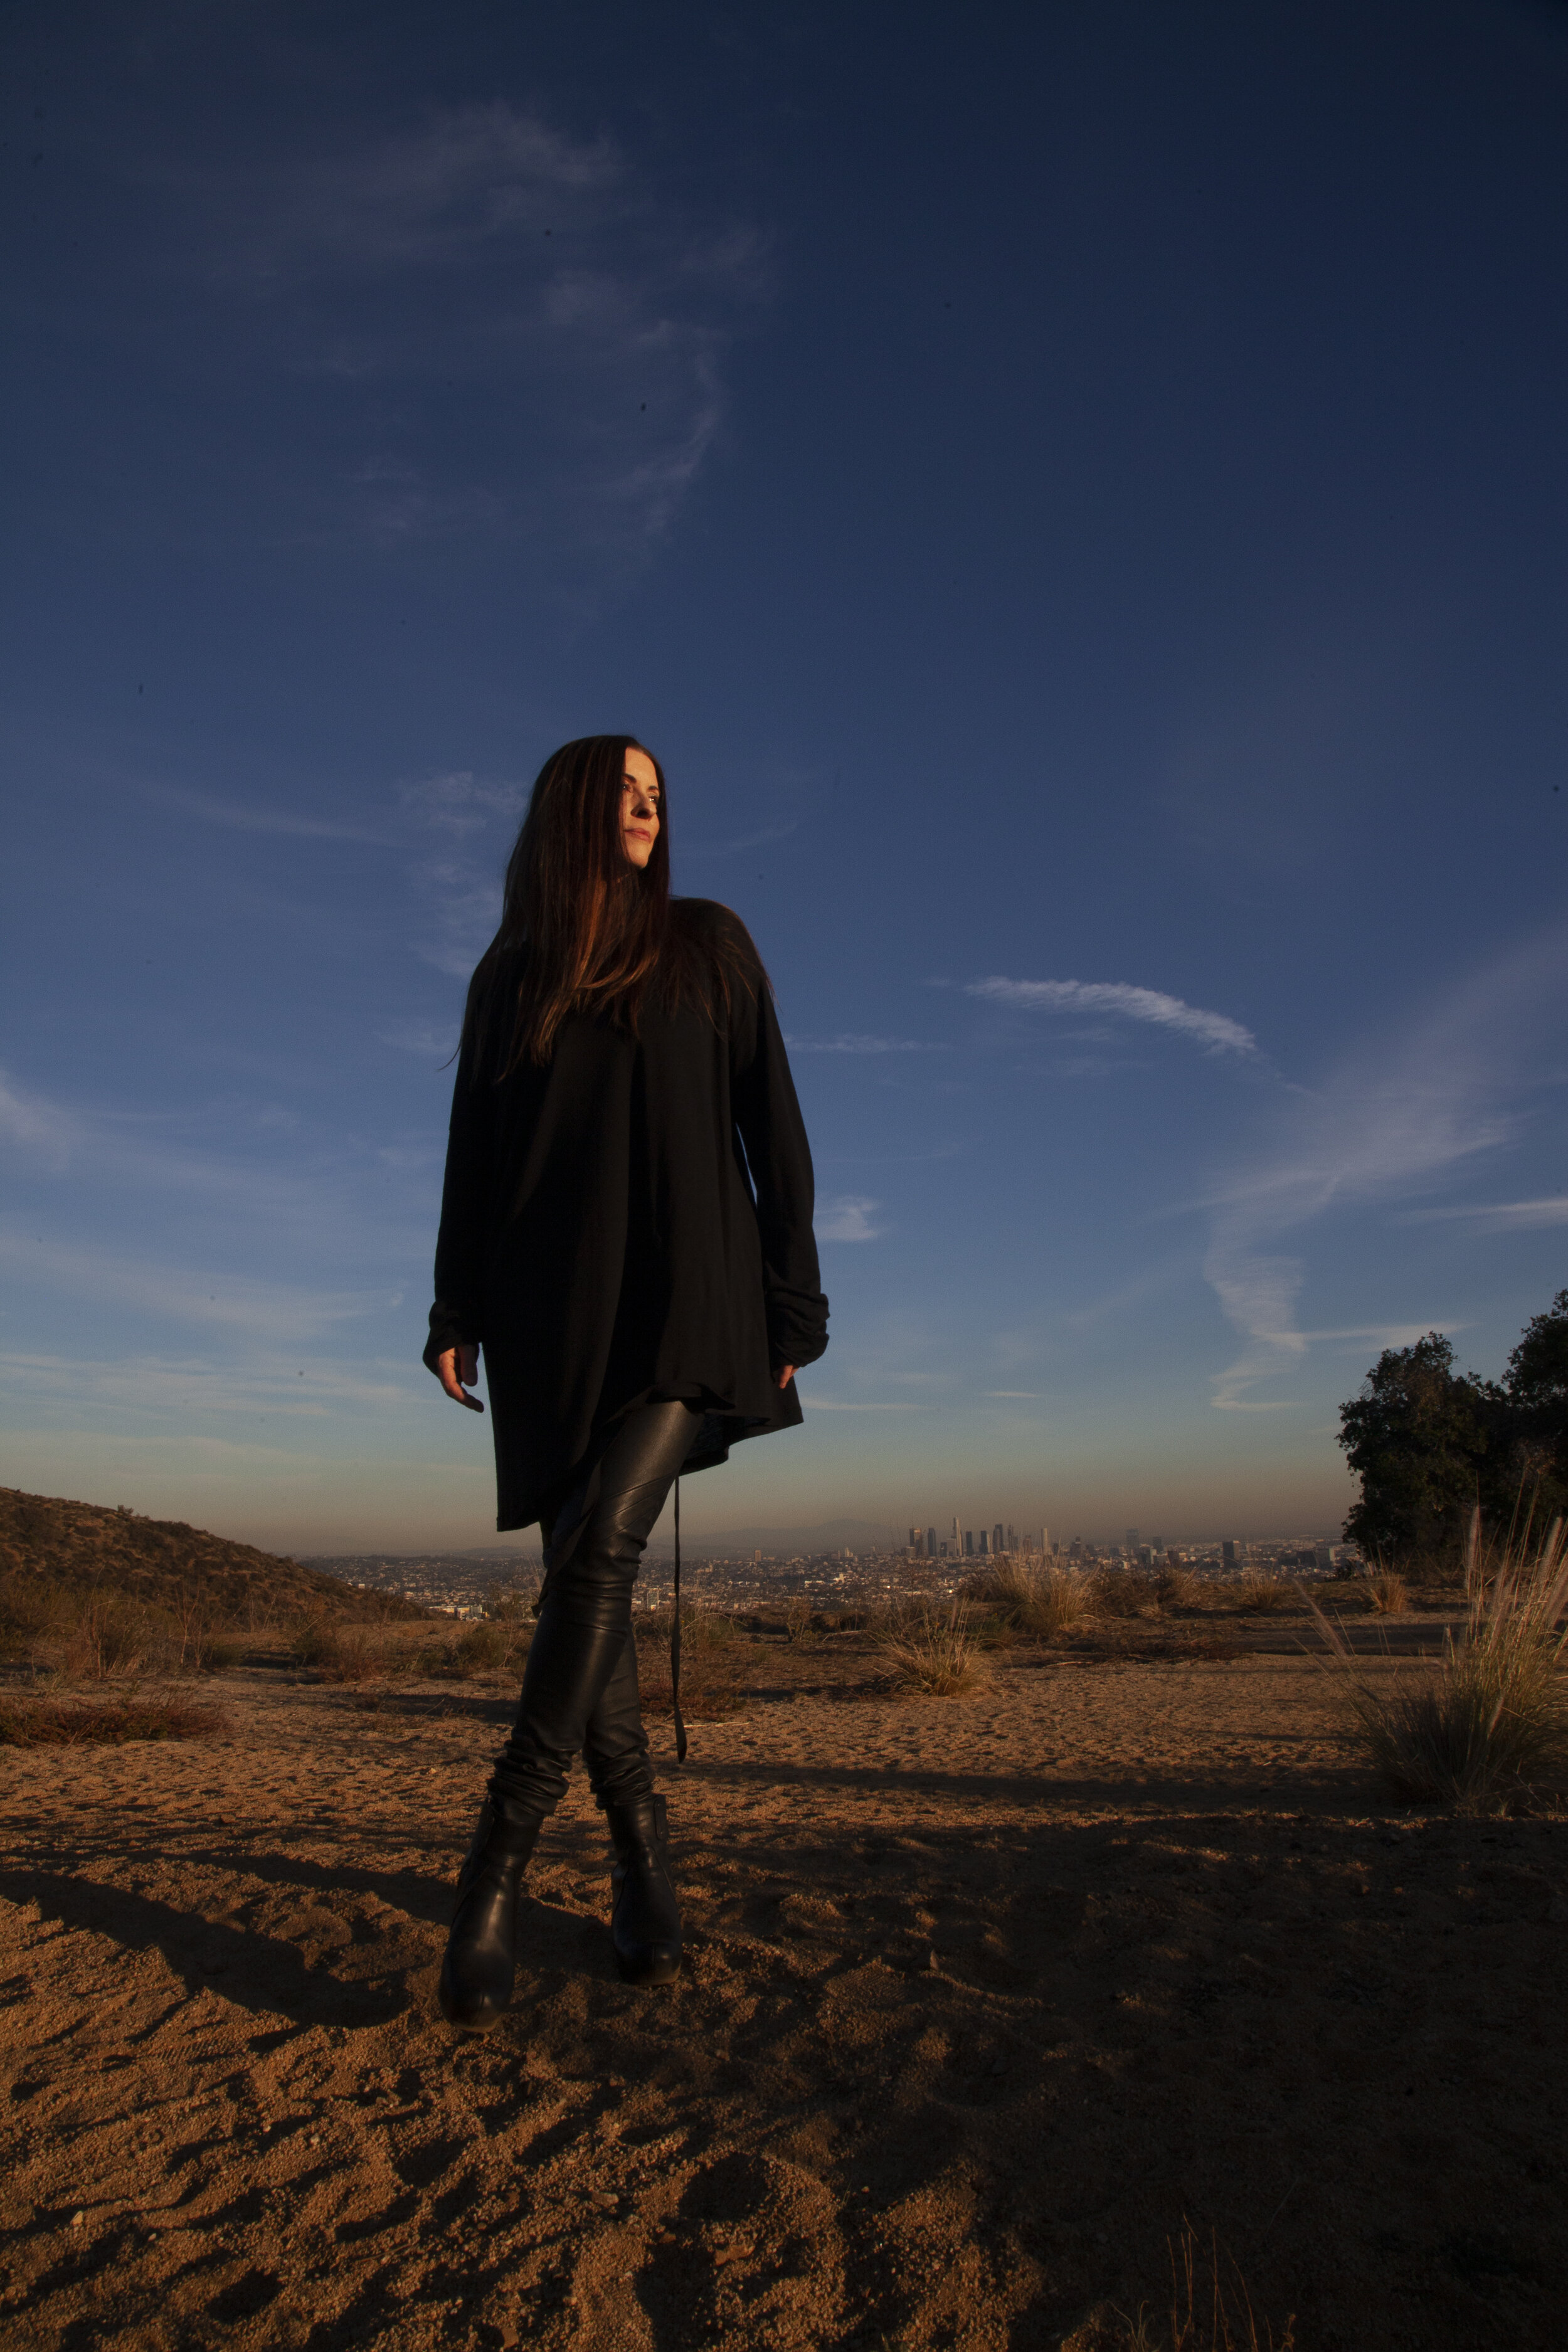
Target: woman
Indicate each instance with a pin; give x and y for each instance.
(625, 1231)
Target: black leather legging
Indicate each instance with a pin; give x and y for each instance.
(580, 1687)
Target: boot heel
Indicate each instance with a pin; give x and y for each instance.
(644, 1916)
(481, 1963)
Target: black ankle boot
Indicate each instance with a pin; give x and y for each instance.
(481, 1950)
(645, 1918)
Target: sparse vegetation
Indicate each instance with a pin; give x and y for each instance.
(1176, 1587)
(487, 1646)
(341, 1653)
(1123, 1592)
(715, 1666)
(1035, 1602)
(1388, 1592)
(797, 1617)
(1210, 2310)
(933, 1651)
(66, 1723)
(1490, 1729)
(1257, 1595)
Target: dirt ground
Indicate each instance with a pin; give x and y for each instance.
(984, 1996)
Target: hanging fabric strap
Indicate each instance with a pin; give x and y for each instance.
(675, 1643)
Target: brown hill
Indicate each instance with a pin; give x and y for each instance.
(82, 1546)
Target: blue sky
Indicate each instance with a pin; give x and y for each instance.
(1075, 498)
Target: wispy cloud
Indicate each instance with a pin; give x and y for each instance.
(460, 802)
(243, 816)
(571, 309)
(850, 1218)
(1498, 1216)
(762, 840)
(149, 1388)
(182, 1294)
(1021, 1396)
(433, 1041)
(1217, 1033)
(219, 1171)
(849, 1042)
(42, 1131)
(835, 1405)
(1393, 1122)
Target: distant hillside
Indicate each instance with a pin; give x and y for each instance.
(83, 1544)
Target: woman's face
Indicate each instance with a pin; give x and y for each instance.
(639, 807)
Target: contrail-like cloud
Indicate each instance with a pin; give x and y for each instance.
(1217, 1033)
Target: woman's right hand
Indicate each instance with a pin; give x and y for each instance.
(457, 1368)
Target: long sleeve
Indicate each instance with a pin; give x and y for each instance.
(767, 1114)
(467, 1202)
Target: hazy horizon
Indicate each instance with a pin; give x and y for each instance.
(1074, 498)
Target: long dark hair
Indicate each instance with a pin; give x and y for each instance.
(599, 931)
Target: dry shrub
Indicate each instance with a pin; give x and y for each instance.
(1257, 1595)
(797, 1619)
(1176, 1587)
(933, 1651)
(485, 1647)
(32, 1608)
(1210, 2310)
(715, 1663)
(1038, 1602)
(200, 1642)
(514, 1604)
(54, 1723)
(341, 1653)
(1122, 1592)
(111, 1636)
(1491, 1725)
(1386, 1592)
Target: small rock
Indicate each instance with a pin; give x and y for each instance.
(78, 2219)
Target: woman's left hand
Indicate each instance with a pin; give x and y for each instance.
(786, 1376)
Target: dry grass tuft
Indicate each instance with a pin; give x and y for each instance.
(933, 1651)
(1257, 1595)
(797, 1619)
(488, 1646)
(32, 1609)
(336, 1653)
(1490, 1727)
(1039, 1603)
(1123, 1592)
(56, 1723)
(1387, 1593)
(1211, 2310)
(1176, 1588)
(98, 1634)
(715, 1663)
(110, 1636)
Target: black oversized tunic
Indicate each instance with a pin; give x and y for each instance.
(631, 1220)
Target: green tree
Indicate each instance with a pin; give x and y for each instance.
(1418, 1437)
(1536, 1386)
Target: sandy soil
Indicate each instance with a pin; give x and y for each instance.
(984, 1996)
